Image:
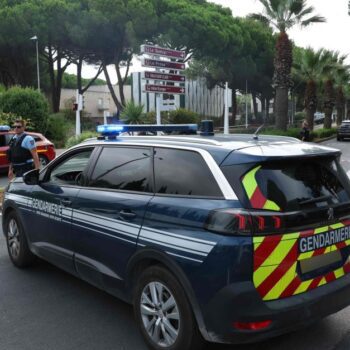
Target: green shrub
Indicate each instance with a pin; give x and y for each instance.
(150, 118)
(73, 140)
(132, 113)
(9, 119)
(59, 129)
(323, 133)
(28, 104)
(183, 116)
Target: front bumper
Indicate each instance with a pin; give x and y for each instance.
(241, 303)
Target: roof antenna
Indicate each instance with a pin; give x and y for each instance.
(255, 136)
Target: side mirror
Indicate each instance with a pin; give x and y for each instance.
(31, 177)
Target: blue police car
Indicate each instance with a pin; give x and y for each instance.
(228, 239)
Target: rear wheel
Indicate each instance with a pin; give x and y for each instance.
(17, 245)
(163, 312)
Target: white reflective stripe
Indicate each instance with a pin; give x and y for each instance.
(189, 238)
(106, 218)
(178, 248)
(180, 243)
(185, 257)
(101, 221)
(17, 198)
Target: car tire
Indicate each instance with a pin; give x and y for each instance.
(17, 245)
(43, 160)
(163, 313)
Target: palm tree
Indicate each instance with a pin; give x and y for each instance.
(283, 15)
(341, 80)
(308, 68)
(337, 67)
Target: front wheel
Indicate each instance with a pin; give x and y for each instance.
(17, 245)
(163, 312)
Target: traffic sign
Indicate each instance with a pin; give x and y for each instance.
(163, 76)
(160, 51)
(165, 89)
(146, 62)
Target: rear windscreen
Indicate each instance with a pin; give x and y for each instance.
(290, 185)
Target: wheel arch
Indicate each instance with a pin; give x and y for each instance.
(148, 257)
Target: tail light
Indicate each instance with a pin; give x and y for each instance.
(252, 326)
(245, 222)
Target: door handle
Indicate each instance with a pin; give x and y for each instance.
(127, 214)
(66, 202)
(104, 211)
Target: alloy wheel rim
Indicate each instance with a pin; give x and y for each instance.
(160, 314)
(13, 238)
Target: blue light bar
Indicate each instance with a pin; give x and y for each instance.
(115, 129)
(4, 128)
(110, 129)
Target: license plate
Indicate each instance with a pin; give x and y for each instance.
(319, 261)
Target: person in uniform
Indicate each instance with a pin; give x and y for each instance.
(22, 153)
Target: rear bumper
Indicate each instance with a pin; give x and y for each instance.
(241, 303)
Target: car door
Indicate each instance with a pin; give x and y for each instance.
(51, 208)
(108, 214)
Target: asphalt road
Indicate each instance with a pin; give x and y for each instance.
(43, 308)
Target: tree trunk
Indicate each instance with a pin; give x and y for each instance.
(111, 89)
(340, 104)
(310, 102)
(328, 104)
(282, 79)
(234, 107)
(255, 106)
(281, 108)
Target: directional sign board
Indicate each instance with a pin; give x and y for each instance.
(163, 76)
(146, 62)
(164, 89)
(160, 51)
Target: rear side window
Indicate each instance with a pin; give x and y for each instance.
(293, 185)
(123, 168)
(180, 172)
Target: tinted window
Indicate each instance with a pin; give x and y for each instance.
(3, 141)
(295, 185)
(183, 173)
(123, 168)
(70, 170)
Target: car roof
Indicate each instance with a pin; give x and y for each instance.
(219, 146)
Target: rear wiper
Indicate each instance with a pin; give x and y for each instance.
(315, 200)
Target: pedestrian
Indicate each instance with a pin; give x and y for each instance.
(22, 153)
(305, 131)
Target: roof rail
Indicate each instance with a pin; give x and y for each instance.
(177, 139)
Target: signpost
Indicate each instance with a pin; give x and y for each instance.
(168, 66)
(160, 51)
(165, 89)
(163, 76)
(146, 62)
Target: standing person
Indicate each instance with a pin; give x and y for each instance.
(22, 152)
(305, 131)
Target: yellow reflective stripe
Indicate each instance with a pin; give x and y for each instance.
(347, 242)
(282, 284)
(303, 287)
(339, 272)
(270, 205)
(262, 273)
(279, 253)
(306, 255)
(249, 182)
(321, 229)
(322, 282)
(258, 239)
(291, 236)
(338, 225)
(41, 150)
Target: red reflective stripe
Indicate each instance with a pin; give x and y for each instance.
(346, 268)
(257, 200)
(315, 282)
(266, 247)
(307, 233)
(292, 287)
(279, 272)
(319, 251)
(330, 277)
(341, 245)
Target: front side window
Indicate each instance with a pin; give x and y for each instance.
(181, 172)
(70, 171)
(123, 168)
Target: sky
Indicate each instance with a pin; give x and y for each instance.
(332, 35)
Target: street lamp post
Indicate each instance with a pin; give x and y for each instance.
(35, 38)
